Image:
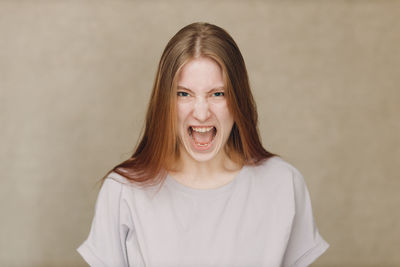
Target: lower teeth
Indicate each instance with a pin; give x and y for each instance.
(202, 144)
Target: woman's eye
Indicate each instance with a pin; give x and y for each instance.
(182, 94)
(219, 94)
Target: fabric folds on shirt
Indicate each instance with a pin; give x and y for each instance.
(263, 217)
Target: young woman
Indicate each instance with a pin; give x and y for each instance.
(200, 189)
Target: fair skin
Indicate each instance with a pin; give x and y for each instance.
(204, 125)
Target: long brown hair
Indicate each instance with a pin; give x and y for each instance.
(158, 148)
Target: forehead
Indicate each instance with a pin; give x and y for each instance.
(201, 74)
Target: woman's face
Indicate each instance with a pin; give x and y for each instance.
(204, 120)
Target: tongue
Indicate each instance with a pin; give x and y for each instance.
(202, 138)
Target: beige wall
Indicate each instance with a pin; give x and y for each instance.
(75, 78)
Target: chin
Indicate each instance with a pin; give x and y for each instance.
(202, 155)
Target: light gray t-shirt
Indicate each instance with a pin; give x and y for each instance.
(263, 217)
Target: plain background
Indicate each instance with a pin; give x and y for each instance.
(75, 80)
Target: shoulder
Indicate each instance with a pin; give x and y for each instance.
(128, 191)
(275, 167)
(112, 188)
(113, 183)
(115, 178)
(277, 174)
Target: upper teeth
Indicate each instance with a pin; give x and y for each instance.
(202, 129)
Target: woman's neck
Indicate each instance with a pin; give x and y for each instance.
(208, 174)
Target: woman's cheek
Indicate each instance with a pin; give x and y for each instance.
(183, 110)
(221, 110)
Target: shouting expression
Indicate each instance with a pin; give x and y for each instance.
(204, 120)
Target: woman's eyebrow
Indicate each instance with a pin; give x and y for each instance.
(184, 88)
(220, 88)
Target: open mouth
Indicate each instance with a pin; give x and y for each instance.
(202, 136)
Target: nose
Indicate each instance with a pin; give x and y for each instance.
(201, 109)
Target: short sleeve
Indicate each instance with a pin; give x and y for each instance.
(305, 243)
(105, 245)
